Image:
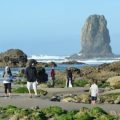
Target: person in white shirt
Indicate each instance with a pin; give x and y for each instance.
(94, 92)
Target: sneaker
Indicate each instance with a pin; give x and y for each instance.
(30, 96)
(37, 95)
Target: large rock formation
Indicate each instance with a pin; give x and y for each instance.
(13, 57)
(95, 39)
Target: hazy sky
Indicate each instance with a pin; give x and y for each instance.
(53, 26)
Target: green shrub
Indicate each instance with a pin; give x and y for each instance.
(58, 83)
(80, 83)
(53, 110)
(53, 113)
(20, 90)
(25, 90)
(97, 111)
(3, 116)
(42, 92)
(105, 117)
(20, 82)
(38, 116)
(83, 116)
(67, 116)
(103, 84)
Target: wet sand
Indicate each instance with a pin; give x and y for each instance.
(23, 100)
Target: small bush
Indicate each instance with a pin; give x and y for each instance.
(20, 90)
(97, 111)
(103, 84)
(25, 90)
(19, 82)
(80, 83)
(53, 110)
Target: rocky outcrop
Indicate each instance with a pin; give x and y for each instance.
(13, 57)
(95, 39)
(114, 82)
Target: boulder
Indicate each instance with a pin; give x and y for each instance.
(114, 82)
(13, 57)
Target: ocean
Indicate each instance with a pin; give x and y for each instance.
(59, 60)
(60, 67)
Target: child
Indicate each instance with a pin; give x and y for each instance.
(94, 92)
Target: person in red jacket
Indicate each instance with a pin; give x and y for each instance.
(53, 76)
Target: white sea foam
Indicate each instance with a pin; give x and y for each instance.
(47, 58)
(59, 59)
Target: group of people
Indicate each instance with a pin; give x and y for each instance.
(31, 75)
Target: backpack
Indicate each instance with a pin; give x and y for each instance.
(10, 78)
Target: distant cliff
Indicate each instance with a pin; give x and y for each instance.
(95, 39)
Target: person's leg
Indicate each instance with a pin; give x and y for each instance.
(93, 100)
(67, 82)
(29, 88)
(70, 82)
(53, 80)
(5, 88)
(35, 87)
(9, 89)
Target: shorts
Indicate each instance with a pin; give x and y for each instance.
(32, 85)
(93, 98)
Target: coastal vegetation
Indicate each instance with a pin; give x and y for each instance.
(54, 113)
(108, 80)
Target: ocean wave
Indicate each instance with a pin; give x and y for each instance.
(46, 57)
(60, 59)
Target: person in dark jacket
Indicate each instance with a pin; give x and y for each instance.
(42, 76)
(69, 77)
(31, 74)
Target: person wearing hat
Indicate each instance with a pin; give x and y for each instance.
(31, 74)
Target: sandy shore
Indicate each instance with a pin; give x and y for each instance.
(23, 100)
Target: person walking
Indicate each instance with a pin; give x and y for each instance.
(52, 73)
(94, 92)
(69, 79)
(31, 74)
(7, 75)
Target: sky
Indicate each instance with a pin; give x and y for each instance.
(53, 27)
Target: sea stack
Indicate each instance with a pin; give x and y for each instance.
(95, 38)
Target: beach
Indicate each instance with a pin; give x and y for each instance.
(23, 100)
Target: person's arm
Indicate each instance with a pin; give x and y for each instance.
(26, 72)
(97, 91)
(10, 73)
(3, 74)
(90, 90)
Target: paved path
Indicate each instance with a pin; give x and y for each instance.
(23, 100)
